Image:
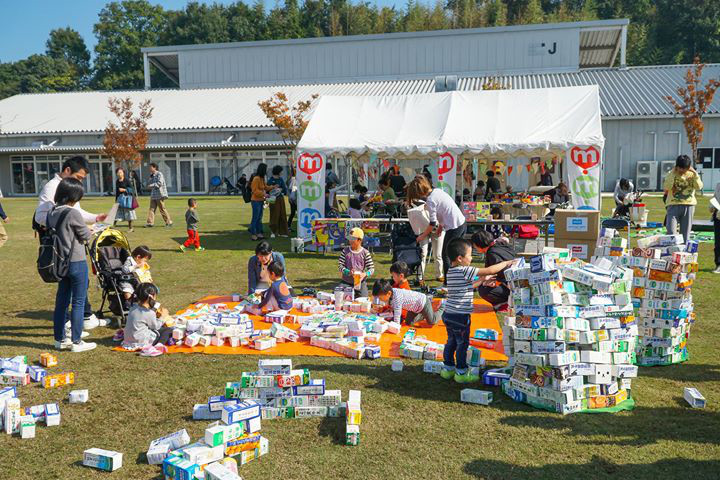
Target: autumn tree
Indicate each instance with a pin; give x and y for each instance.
(126, 138)
(289, 120)
(695, 101)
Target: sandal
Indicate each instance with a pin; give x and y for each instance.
(253, 238)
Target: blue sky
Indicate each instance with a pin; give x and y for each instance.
(27, 24)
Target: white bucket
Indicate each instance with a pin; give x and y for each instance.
(297, 245)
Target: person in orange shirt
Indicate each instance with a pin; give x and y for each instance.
(259, 190)
(399, 272)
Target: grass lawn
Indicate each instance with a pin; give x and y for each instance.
(414, 426)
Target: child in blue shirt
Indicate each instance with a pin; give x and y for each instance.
(462, 279)
(278, 295)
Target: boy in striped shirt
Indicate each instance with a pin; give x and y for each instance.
(356, 261)
(462, 279)
(417, 305)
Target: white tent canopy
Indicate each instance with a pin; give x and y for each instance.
(490, 123)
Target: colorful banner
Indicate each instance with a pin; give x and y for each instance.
(584, 176)
(311, 191)
(444, 172)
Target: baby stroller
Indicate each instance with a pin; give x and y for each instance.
(406, 249)
(108, 252)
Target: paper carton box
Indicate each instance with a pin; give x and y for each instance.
(218, 471)
(240, 412)
(102, 459)
(48, 360)
(694, 397)
(479, 397)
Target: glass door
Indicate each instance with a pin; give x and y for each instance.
(186, 176)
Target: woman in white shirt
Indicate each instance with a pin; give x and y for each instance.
(445, 215)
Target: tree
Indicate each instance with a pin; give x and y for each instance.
(496, 13)
(289, 120)
(41, 73)
(695, 102)
(122, 29)
(531, 13)
(198, 23)
(125, 140)
(67, 44)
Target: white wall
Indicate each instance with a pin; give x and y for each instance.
(380, 58)
(634, 137)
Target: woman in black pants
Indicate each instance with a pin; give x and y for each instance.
(443, 212)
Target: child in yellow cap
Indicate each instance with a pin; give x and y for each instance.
(356, 263)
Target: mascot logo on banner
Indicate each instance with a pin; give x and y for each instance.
(310, 163)
(585, 186)
(306, 217)
(446, 163)
(586, 158)
(310, 191)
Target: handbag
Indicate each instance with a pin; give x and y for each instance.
(135, 203)
(125, 201)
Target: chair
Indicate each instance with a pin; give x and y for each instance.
(215, 185)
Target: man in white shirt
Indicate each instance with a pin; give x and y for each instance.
(75, 167)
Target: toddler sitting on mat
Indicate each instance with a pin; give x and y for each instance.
(278, 295)
(145, 325)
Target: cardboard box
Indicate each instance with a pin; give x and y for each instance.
(102, 459)
(577, 225)
(579, 248)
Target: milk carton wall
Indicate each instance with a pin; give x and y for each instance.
(568, 358)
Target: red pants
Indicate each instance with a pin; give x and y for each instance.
(193, 239)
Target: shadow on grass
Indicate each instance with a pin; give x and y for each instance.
(597, 468)
(683, 372)
(33, 315)
(639, 427)
(413, 382)
(333, 428)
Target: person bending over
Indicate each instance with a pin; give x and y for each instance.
(496, 250)
(417, 305)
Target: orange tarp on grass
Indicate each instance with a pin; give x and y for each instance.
(484, 317)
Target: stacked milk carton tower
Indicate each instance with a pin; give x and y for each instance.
(665, 270)
(572, 334)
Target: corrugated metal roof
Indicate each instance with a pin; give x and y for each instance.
(629, 92)
(598, 47)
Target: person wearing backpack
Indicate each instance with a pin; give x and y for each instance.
(76, 167)
(71, 235)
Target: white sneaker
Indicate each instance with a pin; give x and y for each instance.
(717, 270)
(102, 322)
(64, 345)
(91, 322)
(68, 332)
(82, 346)
(272, 235)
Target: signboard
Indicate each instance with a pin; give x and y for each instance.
(311, 191)
(444, 172)
(584, 176)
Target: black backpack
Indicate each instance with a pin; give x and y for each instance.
(51, 265)
(247, 193)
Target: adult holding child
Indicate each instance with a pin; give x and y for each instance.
(258, 274)
(445, 215)
(72, 234)
(680, 186)
(125, 192)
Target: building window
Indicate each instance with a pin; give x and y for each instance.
(23, 175)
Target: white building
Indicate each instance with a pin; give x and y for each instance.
(211, 127)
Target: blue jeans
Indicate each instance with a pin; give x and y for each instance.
(73, 287)
(257, 214)
(456, 347)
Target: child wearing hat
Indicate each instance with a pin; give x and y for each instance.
(356, 263)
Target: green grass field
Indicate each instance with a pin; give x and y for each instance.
(414, 426)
